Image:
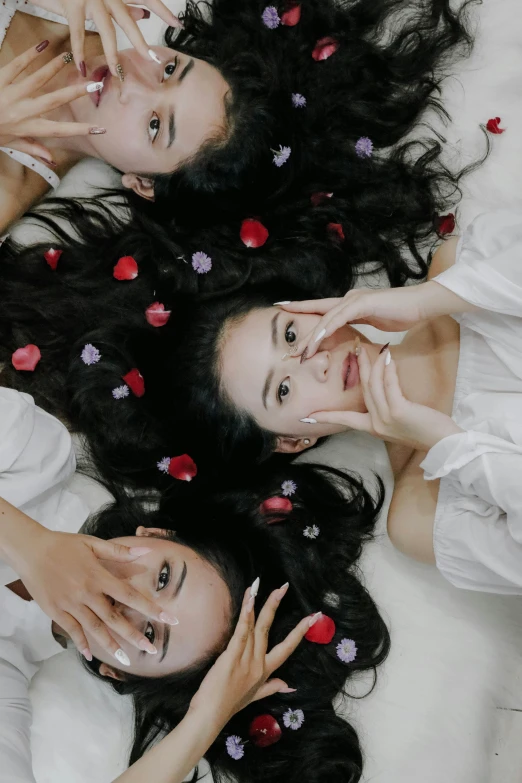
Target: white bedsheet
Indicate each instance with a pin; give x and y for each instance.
(454, 654)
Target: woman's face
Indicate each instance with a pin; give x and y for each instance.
(159, 116)
(184, 585)
(279, 392)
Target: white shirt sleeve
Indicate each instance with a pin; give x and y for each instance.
(488, 271)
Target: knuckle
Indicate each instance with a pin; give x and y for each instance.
(96, 625)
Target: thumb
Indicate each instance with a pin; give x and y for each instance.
(270, 687)
(33, 148)
(108, 550)
(349, 419)
(316, 306)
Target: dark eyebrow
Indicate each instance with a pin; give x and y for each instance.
(270, 375)
(166, 631)
(187, 69)
(172, 129)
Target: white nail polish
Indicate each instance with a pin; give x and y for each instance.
(154, 56)
(320, 335)
(281, 303)
(388, 357)
(168, 618)
(122, 657)
(314, 618)
(255, 588)
(94, 87)
(308, 421)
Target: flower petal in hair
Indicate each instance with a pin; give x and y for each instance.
(298, 100)
(493, 126)
(183, 468)
(445, 224)
(319, 198)
(281, 155)
(201, 263)
(364, 147)
(336, 231)
(322, 631)
(288, 488)
(135, 382)
(275, 505)
(156, 314)
(126, 269)
(292, 16)
(26, 358)
(253, 233)
(120, 392)
(235, 747)
(324, 48)
(293, 719)
(346, 650)
(90, 354)
(52, 256)
(264, 731)
(312, 531)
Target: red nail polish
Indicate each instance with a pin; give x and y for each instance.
(82, 68)
(304, 355)
(146, 13)
(384, 348)
(42, 46)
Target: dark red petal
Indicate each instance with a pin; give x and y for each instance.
(324, 48)
(445, 224)
(492, 125)
(319, 198)
(183, 468)
(26, 358)
(253, 233)
(274, 505)
(291, 17)
(322, 631)
(337, 229)
(126, 269)
(156, 314)
(52, 256)
(264, 731)
(135, 382)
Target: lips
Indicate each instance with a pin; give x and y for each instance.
(350, 372)
(100, 74)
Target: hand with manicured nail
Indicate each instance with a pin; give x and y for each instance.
(103, 13)
(22, 109)
(390, 417)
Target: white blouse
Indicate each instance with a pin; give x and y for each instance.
(36, 460)
(478, 519)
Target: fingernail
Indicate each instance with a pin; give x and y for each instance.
(97, 131)
(94, 87)
(122, 657)
(42, 46)
(282, 590)
(287, 301)
(287, 690)
(250, 604)
(138, 551)
(384, 348)
(304, 355)
(147, 646)
(320, 335)
(67, 57)
(119, 71)
(154, 56)
(308, 421)
(146, 13)
(357, 346)
(388, 358)
(87, 654)
(255, 588)
(48, 161)
(314, 618)
(83, 69)
(168, 618)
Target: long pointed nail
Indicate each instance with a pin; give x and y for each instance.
(154, 56)
(320, 335)
(168, 618)
(314, 618)
(388, 358)
(304, 355)
(146, 13)
(138, 551)
(255, 588)
(119, 71)
(357, 346)
(147, 646)
(87, 654)
(287, 690)
(83, 69)
(287, 301)
(384, 347)
(282, 590)
(42, 46)
(122, 657)
(67, 57)
(308, 421)
(97, 131)
(94, 87)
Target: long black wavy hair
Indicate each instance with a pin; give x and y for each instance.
(230, 529)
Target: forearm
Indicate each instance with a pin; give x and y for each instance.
(438, 300)
(171, 760)
(16, 528)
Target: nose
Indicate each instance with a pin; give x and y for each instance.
(134, 86)
(318, 366)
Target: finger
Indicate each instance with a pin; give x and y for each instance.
(316, 306)
(122, 17)
(352, 420)
(376, 385)
(161, 10)
(244, 627)
(52, 100)
(107, 33)
(96, 628)
(266, 618)
(108, 550)
(322, 330)
(75, 631)
(118, 624)
(279, 654)
(18, 64)
(271, 687)
(392, 386)
(49, 128)
(34, 148)
(76, 19)
(126, 594)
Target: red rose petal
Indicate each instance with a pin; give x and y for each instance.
(322, 631)
(52, 256)
(337, 229)
(445, 224)
(276, 504)
(183, 468)
(264, 731)
(253, 233)
(156, 314)
(493, 126)
(319, 198)
(324, 48)
(135, 382)
(126, 269)
(26, 358)
(291, 17)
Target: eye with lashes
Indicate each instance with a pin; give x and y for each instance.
(163, 581)
(155, 122)
(290, 334)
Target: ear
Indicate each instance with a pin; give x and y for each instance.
(286, 445)
(152, 532)
(142, 186)
(113, 674)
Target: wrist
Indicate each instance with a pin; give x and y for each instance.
(209, 717)
(438, 300)
(17, 532)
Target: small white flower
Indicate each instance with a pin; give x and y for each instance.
(164, 464)
(312, 531)
(120, 392)
(293, 719)
(289, 488)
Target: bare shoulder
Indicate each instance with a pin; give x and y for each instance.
(412, 512)
(443, 258)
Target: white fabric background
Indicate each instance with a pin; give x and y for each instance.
(454, 654)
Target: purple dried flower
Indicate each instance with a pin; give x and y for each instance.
(164, 464)
(90, 354)
(235, 747)
(281, 155)
(293, 719)
(298, 100)
(120, 392)
(289, 488)
(312, 531)
(364, 147)
(201, 263)
(270, 17)
(346, 650)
